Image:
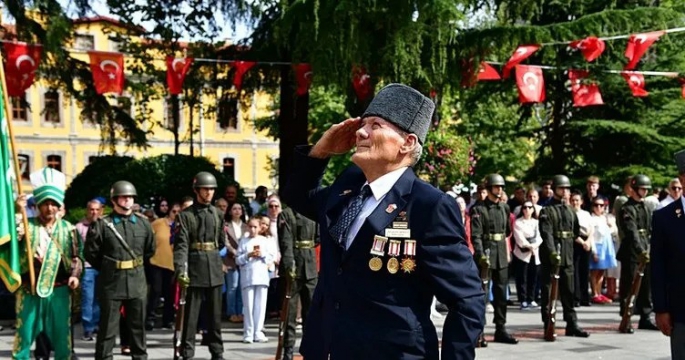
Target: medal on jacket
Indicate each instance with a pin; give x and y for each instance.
(408, 263)
(394, 250)
(378, 249)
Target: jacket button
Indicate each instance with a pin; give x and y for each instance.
(337, 306)
(339, 271)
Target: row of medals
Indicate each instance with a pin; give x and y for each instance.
(408, 263)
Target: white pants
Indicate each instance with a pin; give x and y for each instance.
(254, 312)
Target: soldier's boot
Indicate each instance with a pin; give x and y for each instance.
(502, 336)
(574, 330)
(288, 353)
(646, 323)
(481, 340)
(629, 329)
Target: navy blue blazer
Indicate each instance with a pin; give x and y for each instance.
(359, 314)
(667, 260)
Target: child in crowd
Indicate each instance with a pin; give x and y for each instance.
(254, 257)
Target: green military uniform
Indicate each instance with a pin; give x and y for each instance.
(197, 243)
(634, 220)
(559, 227)
(298, 236)
(57, 256)
(490, 228)
(121, 279)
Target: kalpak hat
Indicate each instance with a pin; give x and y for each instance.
(405, 107)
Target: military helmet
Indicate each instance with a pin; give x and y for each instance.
(123, 188)
(204, 179)
(560, 181)
(494, 180)
(641, 181)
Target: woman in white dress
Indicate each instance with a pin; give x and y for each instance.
(526, 256)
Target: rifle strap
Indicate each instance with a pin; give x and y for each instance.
(121, 239)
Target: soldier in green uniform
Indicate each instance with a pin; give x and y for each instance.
(118, 245)
(56, 256)
(559, 226)
(634, 220)
(298, 236)
(196, 248)
(490, 228)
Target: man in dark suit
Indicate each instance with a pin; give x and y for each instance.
(389, 242)
(667, 257)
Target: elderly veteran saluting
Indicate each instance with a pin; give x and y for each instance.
(389, 242)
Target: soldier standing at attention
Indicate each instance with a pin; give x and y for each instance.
(199, 239)
(559, 226)
(298, 236)
(490, 228)
(635, 220)
(117, 245)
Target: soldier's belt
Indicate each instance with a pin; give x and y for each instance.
(203, 246)
(564, 234)
(494, 237)
(305, 244)
(129, 264)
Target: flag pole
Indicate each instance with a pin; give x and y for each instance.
(17, 175)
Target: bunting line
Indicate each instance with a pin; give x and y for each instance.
(617, 37)
(648, 73)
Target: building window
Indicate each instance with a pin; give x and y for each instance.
(19, 108)
(55, 162)
(84, 42)
(124, 103)
(227, 116)
(114, 44)
(92, 159)
(169, 111)
(24, 166)
(52, 110)
(229, 167)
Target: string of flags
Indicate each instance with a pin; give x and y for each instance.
(531, 84)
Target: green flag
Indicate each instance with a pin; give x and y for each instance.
(9, 245)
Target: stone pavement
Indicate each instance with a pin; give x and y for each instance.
(601, 320)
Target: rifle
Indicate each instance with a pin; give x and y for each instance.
(285, 308)
(485, 282)
(180, 315)
(629, 304)
(550, 329)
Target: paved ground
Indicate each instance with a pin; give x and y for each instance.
(601, 321)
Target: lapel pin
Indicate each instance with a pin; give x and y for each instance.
(391, 208)
(345, 192)
(402, 213)
(678, 212)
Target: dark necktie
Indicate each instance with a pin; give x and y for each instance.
(340, 229)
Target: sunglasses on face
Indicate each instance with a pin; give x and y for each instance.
(598, 205)
(274, 206)
(676, 188)
(527, 207)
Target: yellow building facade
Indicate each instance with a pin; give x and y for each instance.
(65, 141)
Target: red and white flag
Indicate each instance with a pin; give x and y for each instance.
(583, 94)
(530, 83)
(176, 70)
(20, 66)
(108, 71)
(241, 67)
(361, 82)
(521, 53)
(591, 47)
(303, 75)
(638, 45)
(636, 82)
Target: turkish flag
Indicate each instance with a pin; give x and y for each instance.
(530, 83)
(636, 82)
(176, 70)
(361, 83)
(241, 67)
(591, 47)
(638, 45)
(583, 94)
(485, 72)
(303, 75)
(20, 66)
(521, 53)
(108, 71)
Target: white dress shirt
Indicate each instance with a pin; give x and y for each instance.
(379, 188)
(665, 202)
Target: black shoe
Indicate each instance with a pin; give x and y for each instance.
(647, 324)
(288, 353)
(87, 336)
(205, 339)
(218, 357)
(629, 329)
(149, 326)
(502, 336)
(169, 325)
(575, 331)
(585, 303)
(576, 304)
(482, 343)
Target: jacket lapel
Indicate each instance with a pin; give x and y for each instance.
(386, 211)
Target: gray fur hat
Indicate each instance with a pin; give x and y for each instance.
(405, 107)
(680, 161)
